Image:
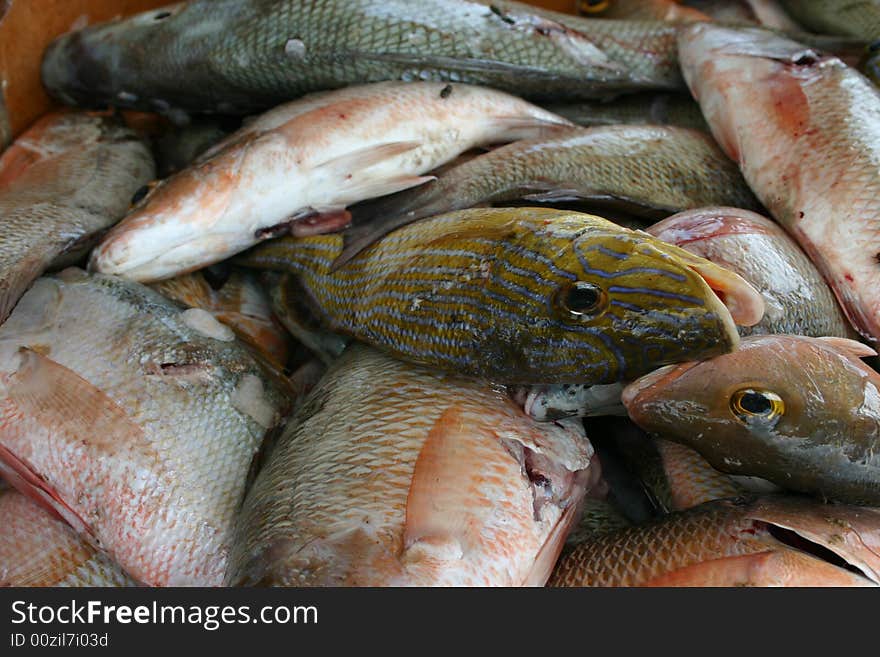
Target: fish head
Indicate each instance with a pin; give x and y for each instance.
(617, 303)
(179, 225)
(722, 65)
(780, 407)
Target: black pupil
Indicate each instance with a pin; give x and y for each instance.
(140, 194)
(755, 402)
(582, 299)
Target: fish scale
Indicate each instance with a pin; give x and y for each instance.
(242, 55)
(340, 501)
(491, 308)
(39, 550)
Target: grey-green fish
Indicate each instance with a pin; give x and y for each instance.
(801, 412)
(522, 295)
(797, 299)
(653, 170)
(651, 108)
(62, 184)
(656, 10)
(857, 18)
(135, 419)
(237, 56)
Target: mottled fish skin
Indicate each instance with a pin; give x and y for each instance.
(309, 159)
(136, 420)
(720, 543)
(62, 183)
(39, 550)
(797, 300)
(240, 302)
(801, 412)
(858, 18)
(240, 56)
(644, 10)
(651, 170)
(805, 129)
(640, 108)
(484, 292)
(392, 474)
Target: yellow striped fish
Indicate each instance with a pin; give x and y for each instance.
(522, 295)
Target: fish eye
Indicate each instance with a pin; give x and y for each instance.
(754, 403)
(582, 299)
(143, 192)
(593, 6)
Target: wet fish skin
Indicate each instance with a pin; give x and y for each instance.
(820, 437)
(638, 108)
(176, 149)
(646, 10)
(136, 420)
(494, 297)
(797, 300)
(373, 484)
(240, 303)
(805, 129)
(652, 170)
(858, 19)
(239, 56)
(268, 179)
(727, 543)
(62, 183)
(555, 401)
(39, 550)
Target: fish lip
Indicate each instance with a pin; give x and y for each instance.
(655, 380)
(744, 303)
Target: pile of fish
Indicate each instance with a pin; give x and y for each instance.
(446, 292)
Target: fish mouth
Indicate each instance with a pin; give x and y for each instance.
(637, 391)
(744, 303)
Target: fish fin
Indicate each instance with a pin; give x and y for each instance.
(438, 519)
(548, 555)
(851, 348)
(74, 409)
(364, 158)
(26, 480)
(514, 128)
(385, 186)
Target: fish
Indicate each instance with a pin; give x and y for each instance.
(240, 303)
(797, 300)
(269, 178)
(803, 413)
(772, 541)
(176, 149)
(288, 304)
(244, 56)
(135, 420)
(391, 474)
(5, 127)
(675, 109)
(805, 130)
(650, 10)
(62, 184)
(675, 477)
(550, 402)
(521, 295)
(858, 19)
(39, 550)
(766, 13)
(653, 170)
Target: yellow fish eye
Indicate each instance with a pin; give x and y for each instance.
(581, 299)
(593, 6)
(752, 402)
